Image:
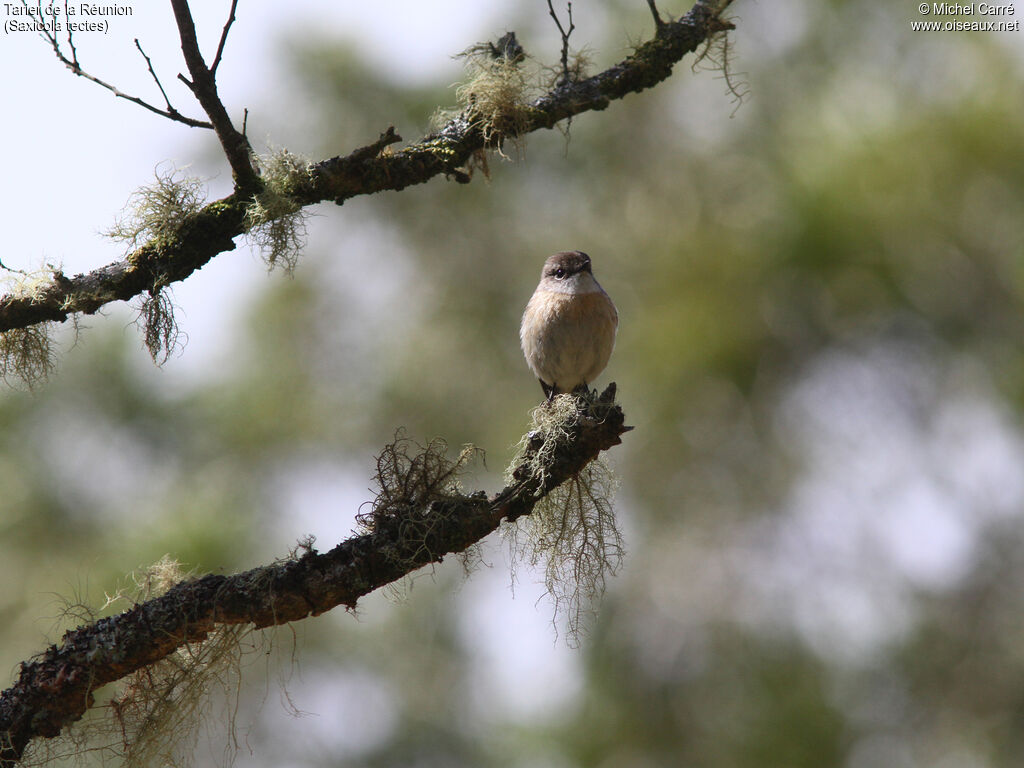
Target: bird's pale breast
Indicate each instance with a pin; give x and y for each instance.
(568, 337)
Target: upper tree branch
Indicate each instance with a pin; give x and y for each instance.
(56, 688)
(204, 86)
(362, 172)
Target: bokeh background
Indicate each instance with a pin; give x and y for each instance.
(820, 293)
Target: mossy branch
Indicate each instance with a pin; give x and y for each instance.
(56, 688)
(368, 170)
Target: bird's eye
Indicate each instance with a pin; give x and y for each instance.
(559, 273)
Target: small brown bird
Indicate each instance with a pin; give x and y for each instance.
(568, 328)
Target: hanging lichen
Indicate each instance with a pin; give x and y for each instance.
(275, 219)
(572, 534)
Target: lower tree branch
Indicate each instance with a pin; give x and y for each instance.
(57, 688)
(365, 171)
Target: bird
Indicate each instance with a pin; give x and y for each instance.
(568, 328)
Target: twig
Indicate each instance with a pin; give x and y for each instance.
(204, 86)
(565, 39)
(71, 41)
(371, 151)
(149, 65)
(74, 66)
(224, 39)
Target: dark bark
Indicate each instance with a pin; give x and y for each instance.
(204, 87)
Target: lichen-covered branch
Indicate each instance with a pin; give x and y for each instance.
(365, 171)
(55, 689)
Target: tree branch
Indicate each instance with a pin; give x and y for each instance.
(224, 39)
(204, 86)
(57, 688)
(565, 39)
(362, 172)
(149, 65)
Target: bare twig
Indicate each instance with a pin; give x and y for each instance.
(12, 269)
(224, 39)
(57, 687)
(73, 64)
(71, 40)
(204, 87)
(149, 65)
(565, 39)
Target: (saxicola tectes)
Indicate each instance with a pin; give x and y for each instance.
(568, 328)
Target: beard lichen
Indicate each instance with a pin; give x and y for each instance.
(417, 490)
(275, 219)
(161, 334)
(27, 356)
(154, 716)
(495, 96)
(157, 212)
(578, 64)
(716, 56)
(571, 533)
